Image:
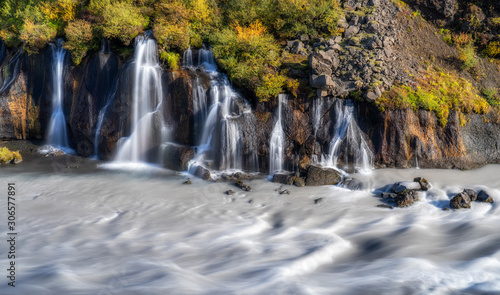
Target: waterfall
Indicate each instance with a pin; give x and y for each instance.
(10, 72)
(187, 58)
(221, 119)
(317, 113)
(148, 130)
(277, 143)
(57, 134)
(348, 139)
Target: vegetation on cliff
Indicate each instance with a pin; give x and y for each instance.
(244, 34)
(7, 156)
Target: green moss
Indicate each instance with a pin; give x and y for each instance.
(438, 92)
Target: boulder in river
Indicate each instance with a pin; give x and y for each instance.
(406, 198)
(483, 196)
(322, 176)
(424, 184)
(243, 186)
(471, 193)
(404, 186)
(461, 200)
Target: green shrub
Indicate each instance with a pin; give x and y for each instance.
(468, 57)
(492, 49)
(123, 21)
(36, 35)
(172, 59)
(6, 156)
(491, 96)
(248, 54)
(270, 86)
(171, 37)
(79, 35)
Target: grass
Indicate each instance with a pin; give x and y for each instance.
(436, 91)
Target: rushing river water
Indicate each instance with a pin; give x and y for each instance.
(144, 232)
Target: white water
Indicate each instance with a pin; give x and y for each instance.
(146, 233)
(147, 125)
(187, 59)
(277, 144)
(218, 120)
(57, 134)
(349, 139)
(317, 113)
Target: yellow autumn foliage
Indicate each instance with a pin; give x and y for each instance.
(59, 10)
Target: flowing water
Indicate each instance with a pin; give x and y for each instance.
(144, 232)
(57, 134)
(277, 144)
(147, 124)
(348, 140)
(220, 117)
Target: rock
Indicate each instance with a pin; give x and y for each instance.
(243, 186)
(322, 176)
(403, 186)
(281, 178)
(203, 173)
(424, 184)
(317, 201)
(285, 192)
(385, 206)
(351, 31)
(406, 198)
(471, 193)
(483, 196)
(229, 192)
(321, 81)
(297, 47)
(459, 201)
(250, 201)
(300, 181)
(371, 97)
(188, 181)
(353, 184)
(278, 189)
(177, 157)
(389, 196)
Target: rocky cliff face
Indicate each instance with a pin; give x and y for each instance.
(382, 44)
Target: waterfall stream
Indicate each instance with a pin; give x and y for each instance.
(220, 117)
(148, 129)
(348, 140)
(276, 146)
(57, 134)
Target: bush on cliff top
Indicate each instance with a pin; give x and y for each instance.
(438, 92)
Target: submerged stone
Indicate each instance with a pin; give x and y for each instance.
(484, 197)
(461, 200)
(322, 176)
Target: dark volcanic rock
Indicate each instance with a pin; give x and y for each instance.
(484, 197)
(424, 184)
(459, 201)
(401, 187)
(283, 178)
(318, 200)
(300, 181)
(243, 186)
(385, 206)
(472, 194)
(322, 176)
(203, 173)
(406, 199)
(177, 157)
(229, 192)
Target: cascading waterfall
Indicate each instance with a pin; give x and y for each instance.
(348, 138)
(220, 116)
(277, 143)
(187, 58)
(148, 130)
(317, 113)
(57, 133)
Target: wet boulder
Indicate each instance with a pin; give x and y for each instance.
(404, 186)
(300, 181)
(243, 186)
(177, 157)
(283, 178)
(322, 176)
(202, 173)
(406, 198)
(471, 193)
(483, 196)
(461, 200)
(424, 184)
